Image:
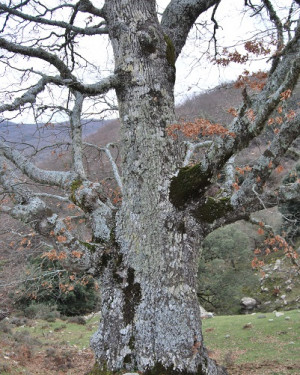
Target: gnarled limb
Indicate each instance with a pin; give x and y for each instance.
(180, 16)
(32, 210)
(251, 120)
(264, 166)
(55, 178)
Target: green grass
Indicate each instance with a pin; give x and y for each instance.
(63, 332)
(265, 348)
(277, 340)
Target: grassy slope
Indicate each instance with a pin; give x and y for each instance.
(249, 344)
(267, 347)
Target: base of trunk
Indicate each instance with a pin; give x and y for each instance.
(210, 367)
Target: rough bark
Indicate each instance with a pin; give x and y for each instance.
(149, 322)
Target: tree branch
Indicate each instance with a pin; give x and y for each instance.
(38, 53)
(252, 186)
(180, 16)
(85, 6)
(67, 78)
(279, 27)
(33, 211)
(50, 22)
(54, 178)
(76, 134)
(111, 160)
(251, 121)
(30, 95)
(191, 148)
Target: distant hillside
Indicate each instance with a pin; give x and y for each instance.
(28, 137)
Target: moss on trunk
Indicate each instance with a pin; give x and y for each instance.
(189, 183)
(212, 209)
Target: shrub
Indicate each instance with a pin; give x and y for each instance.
(18, 321)
(72, 294)
(224, 273)
(59, 360)
(4, 369)
(41, 311)
(290, 210)
(77, 320)
(5, 327)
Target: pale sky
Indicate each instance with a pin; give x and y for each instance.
(195, 71)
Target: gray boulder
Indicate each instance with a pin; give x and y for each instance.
(248, 304)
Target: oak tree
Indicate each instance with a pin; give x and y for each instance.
(144, 244)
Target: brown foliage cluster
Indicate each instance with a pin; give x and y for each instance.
(255, 81)
(200, 126)
(253, 47)
(272, 244)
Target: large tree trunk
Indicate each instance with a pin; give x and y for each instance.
(150, 312)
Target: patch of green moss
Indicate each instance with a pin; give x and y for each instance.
(170, 51)
(89, 246)
(213, 209)
(132, 297)
(159, 369)
(181, 227)
(189, 182)
(97, 370)
(74, 186)
(112, 236)
(131, 343)
(127, 359)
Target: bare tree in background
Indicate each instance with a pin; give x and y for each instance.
(144, 249)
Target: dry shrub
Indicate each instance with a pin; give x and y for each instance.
(228, 359)
(5, 327)
(23, 354)
(77, 320)
(4, 368)
(58, 360)
(24, 337)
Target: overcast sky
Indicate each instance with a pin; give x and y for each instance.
(195, 70)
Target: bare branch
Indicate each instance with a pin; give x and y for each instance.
(50, 22)
(253, 184)
(111, 160)
(52, 196)
(76, 132)
(191, 148)
(38, 53)
(251, 121)
(114, 166)
(86, 6)
(216, 26)
(279, 27)
(30, 96)
(187, 12)
(229, 174)
(55, 178)
(45, 274)
(67, 78)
